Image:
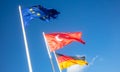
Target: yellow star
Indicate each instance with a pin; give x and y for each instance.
(38, 14)
(31, 9)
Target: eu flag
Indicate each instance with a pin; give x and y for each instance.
(39, 12)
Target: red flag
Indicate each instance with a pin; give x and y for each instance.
(58, 40)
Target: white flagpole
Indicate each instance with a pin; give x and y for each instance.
(57, 61)
(50, 57)
(25, 41)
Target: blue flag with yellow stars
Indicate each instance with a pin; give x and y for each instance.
(39, 12)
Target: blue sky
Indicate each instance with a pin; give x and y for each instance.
(99, 20)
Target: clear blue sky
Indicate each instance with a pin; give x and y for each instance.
(99, 20)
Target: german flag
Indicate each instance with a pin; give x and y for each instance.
(67, 61)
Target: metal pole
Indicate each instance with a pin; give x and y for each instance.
(50, 57)
(57, 61)
(25, 41)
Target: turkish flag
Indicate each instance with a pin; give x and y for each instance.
(58, 40)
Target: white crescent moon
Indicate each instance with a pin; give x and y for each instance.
(57, 38)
